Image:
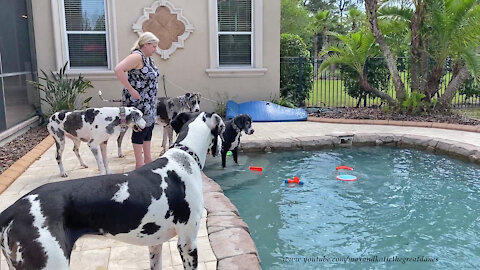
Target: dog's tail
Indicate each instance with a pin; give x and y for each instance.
(106, 100)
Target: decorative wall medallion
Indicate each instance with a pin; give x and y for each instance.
(167, 23)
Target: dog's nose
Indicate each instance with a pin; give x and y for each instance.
(251, 132)
(197, 110)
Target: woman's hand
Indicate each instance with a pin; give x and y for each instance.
(135, 94)
(133, 61)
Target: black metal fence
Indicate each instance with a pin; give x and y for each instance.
(336, 87)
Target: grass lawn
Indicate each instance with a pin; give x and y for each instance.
(469, 112)
(330, 92)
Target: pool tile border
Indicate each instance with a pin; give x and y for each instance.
(229, 235)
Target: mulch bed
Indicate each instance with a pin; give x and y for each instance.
(17, 148)
(378, 114)
(14, 150)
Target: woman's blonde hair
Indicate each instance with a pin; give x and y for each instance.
(145, 38)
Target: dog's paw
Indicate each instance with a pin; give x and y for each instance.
(121, 155)
(64, 174)
(84, 165)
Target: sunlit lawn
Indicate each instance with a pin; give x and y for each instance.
(331, 92)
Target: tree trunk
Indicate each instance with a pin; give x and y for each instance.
(315, 55)
(324, 47)
(416, 46)
(371, 7)
(362, 80)
(424, 66)
(434, 80)
(445, 101)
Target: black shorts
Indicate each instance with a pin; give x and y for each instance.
(142, 136)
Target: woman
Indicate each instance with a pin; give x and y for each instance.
(141, 84)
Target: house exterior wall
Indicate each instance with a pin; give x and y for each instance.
(186, 68)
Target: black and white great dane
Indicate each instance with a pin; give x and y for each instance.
(232, 134)
(93, 126)
(168, 108)
(147, 206)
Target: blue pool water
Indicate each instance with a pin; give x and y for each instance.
(408, 209)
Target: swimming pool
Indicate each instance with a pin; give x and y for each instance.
(409, 209)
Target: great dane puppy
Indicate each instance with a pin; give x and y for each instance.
(168, 108)
(93, 126)
(146, 207)
(232, 134)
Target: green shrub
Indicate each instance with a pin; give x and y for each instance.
(470, 89)
(283, 102)
(377, 75)
(62, 92)
(414, 104)
(221, 108)
(291, 87)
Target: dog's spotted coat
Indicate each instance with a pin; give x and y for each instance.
(93, 126)
(168, 108)
(145, 207)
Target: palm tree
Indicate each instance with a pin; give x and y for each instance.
(454, 30)
(355, 16)
(371, 7)
(353, 50)
(321, 24)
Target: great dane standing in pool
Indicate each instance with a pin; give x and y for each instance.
(145, 207)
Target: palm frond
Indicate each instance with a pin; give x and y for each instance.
(395, 13)
(472, 61)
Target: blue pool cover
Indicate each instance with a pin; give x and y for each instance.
(264, 111)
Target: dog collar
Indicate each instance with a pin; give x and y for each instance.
(190, 152)
(123, 119)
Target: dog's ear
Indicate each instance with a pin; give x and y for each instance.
(216, 146)
(187, 95)
(217, 132)
(180, 120)
(239, 120)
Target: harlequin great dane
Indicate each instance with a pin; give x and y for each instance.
(168, 108)
(93, 126)
(145, 207)
(232, 134)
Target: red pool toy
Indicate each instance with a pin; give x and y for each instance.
(256, 169)
(295, 180)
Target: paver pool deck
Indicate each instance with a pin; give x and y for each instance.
(98, 253)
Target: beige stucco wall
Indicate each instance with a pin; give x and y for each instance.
(186, 67)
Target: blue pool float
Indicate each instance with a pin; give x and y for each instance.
(264, 111)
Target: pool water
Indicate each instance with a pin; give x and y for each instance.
(408, 209)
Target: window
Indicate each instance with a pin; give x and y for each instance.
(86, 34)
(236, 38)
(234, 34)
